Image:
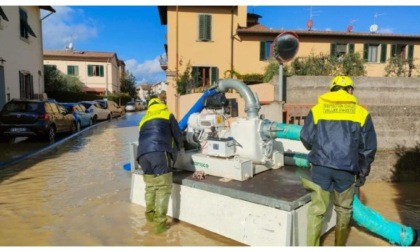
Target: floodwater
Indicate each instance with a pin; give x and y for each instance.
(77, 194)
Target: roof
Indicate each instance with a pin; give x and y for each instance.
(261, 29)
(79, 55)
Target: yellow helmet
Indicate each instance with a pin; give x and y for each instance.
(342, 81)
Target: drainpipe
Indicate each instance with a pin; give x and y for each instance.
(232, 37)
(176, 67)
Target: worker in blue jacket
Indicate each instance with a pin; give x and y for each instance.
(160, 139)
(341, 138)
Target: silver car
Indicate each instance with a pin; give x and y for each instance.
(100, 113)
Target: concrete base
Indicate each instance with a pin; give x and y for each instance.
(267, 210)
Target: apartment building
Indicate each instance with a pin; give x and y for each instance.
(21, 67)
(215, 40)
(100, 72)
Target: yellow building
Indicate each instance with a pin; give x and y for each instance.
(21, 68)
(215, 40)
(99, 71)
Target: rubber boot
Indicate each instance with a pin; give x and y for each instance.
(316, 211)
(343, 203)
(163, 184)
(150, 196)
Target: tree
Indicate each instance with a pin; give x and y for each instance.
(128, 82)
(56, 81)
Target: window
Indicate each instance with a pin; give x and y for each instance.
(96, 70)
(374, 53)
(25, 29)
(402, 51)
(265, 50)
(2, 17)
(338, 50)
(204, 27)
(73, 70)
(204, 76)
(26, 85)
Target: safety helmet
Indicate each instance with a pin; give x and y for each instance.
(154, 101)
(342, 81)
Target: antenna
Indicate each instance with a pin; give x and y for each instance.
(310, 22)
(69, 46)
(374, 28)
(350, 26)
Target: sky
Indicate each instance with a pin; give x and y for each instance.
(134, 32)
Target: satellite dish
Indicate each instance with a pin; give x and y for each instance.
(309, 24)
(349, 28)
(373, 28)
(71, 46)
(285, 46)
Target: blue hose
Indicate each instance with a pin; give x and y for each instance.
(395, 233)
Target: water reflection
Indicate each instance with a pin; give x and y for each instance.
(77, 194)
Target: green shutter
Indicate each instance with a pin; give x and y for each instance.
(333, 51)
(204, 27)
(262, 50)
(101, 71)
(68, 70)
(214, 75)
(366, 52)
(410, 53)
(90, 70)
(394, 51)
(383, 53)
(351, 48)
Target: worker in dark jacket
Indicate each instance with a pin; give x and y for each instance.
(341, 138)
(160, 139)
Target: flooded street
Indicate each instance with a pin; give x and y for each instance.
(77, 194)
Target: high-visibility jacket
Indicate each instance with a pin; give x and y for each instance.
(340, 134)
(159, 131)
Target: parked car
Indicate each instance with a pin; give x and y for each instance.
(100, 113)
(82, 116)
(133, 106)
(35, 118)
(116, 110)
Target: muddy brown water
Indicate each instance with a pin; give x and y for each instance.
(77, 194)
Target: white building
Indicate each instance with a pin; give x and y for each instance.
(21, 66)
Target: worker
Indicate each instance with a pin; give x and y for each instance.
(341, 139)
(160, 139)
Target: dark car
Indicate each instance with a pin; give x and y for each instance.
(35, 118)
(82, 116)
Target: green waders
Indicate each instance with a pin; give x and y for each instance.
(158, 191)
(316, 211)
(343, 203)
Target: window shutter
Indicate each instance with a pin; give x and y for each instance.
(410, 53)
(204, 26)
(333, 51)
(90, 70)
(214, 75)
(68, 70)
(195, 74)
(383, 53)
(22, 93)
(394, 51)
(31, 87)
(351, 48)
(262, 50)
(366, 52)
(101, 71)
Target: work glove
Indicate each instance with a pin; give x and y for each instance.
(360, 181)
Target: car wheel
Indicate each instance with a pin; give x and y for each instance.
(78, 127)
(95, 119)
(109, 118)
(90, 122)
(51, 135)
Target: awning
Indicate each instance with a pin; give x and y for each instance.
(3, 15)
(94, 90)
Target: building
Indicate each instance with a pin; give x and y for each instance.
(21, 67)
(100, 72)
(143, 91)
(216, 41)
(159, 87)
